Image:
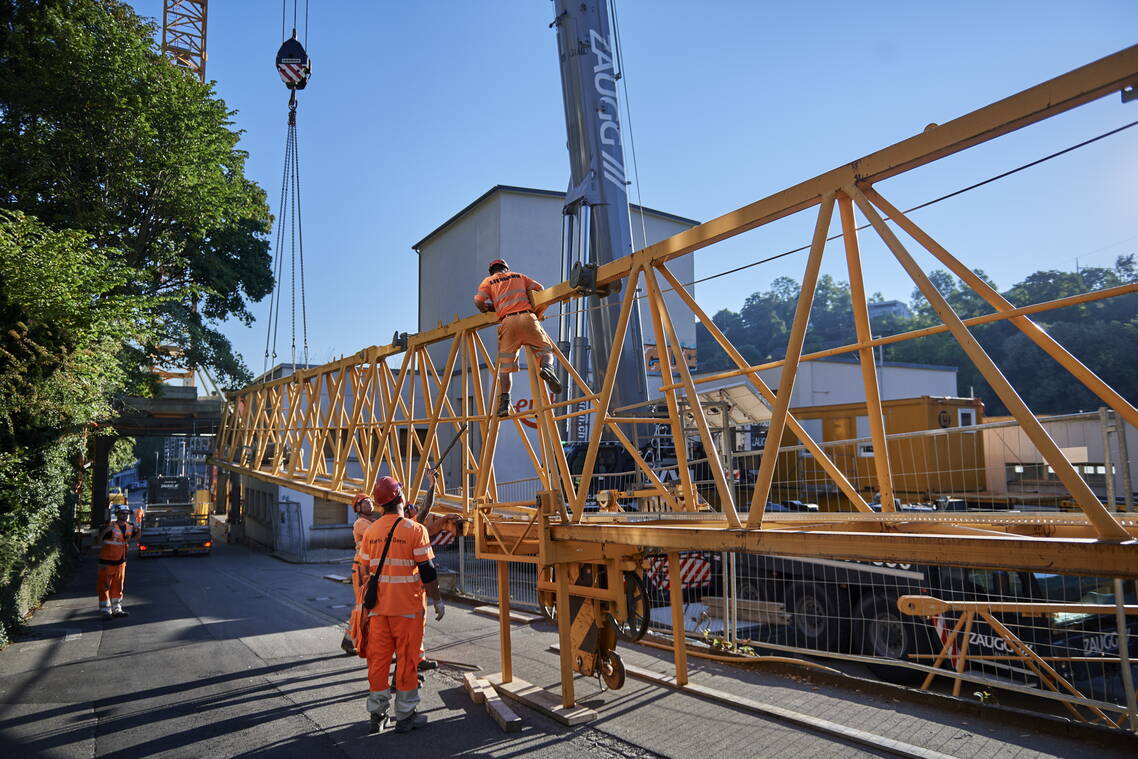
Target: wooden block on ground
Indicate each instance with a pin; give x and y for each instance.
(541, 700)
(770, 612)
(338, 578)
(515, 616)
(476, 687)
(506, 717)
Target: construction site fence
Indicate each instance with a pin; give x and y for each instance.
(989, 466)
(846, 613)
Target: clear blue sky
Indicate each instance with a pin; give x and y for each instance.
(416, 108)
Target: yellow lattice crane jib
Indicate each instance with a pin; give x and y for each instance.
(184, 34)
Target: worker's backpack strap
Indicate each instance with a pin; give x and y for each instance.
(371, 594)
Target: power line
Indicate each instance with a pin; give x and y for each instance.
(917, 207)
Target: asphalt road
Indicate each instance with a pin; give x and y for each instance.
(237, 654)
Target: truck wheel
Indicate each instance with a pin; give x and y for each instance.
(819, 617)
(886, 633)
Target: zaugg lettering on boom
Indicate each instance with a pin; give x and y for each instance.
(608, 129)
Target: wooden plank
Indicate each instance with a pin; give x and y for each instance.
(768, 612)
(541, 700)
(501, 713)
(808, 721)
(515, 616)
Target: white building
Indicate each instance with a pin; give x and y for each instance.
(524, 227)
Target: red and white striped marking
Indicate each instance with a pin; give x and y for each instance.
(292, 73)
(444, 538)
(695, 571)
(942, 632)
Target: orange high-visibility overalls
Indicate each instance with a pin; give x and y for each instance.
(395, 624)
(509, 293)
(112, 563)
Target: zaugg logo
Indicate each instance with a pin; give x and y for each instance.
(1100, 644)
(994, 642)
(608, 129)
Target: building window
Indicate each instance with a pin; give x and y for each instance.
(329, 512)
(864, 449)
(813, 428)
(966, 416)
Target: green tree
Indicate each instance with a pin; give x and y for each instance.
(66, 319)
(99, 132)
(1102, 334)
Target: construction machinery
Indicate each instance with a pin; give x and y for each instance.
(176, 519)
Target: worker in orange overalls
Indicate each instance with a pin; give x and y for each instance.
(115, 538)
(365, 514)
(508, 294)
(395, 624)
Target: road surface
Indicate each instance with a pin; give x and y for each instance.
(236, 654)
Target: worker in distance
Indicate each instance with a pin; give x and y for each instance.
(401, 569)
(115, 537)
(508, 293)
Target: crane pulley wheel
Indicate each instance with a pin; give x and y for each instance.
(293, 64)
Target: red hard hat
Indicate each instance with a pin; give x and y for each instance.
(358, 501)
(496, 262)
(386, 489)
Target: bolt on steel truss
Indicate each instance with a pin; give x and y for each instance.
(331, 430)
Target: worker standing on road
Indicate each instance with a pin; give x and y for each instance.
(398, 552)
(366, 513)
(508, 294)
(115, 537)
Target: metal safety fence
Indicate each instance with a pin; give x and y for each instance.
(980, 633)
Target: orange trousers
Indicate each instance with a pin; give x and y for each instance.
(398, 636)
(110, 580)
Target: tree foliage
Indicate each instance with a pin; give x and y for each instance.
(1102, 334)
(99, 132)
(126, 224)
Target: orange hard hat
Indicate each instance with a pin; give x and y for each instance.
(386, 489)
(359, 501)
(497, 262)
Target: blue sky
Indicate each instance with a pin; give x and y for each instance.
(415, 109)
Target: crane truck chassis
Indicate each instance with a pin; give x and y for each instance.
(176, 519)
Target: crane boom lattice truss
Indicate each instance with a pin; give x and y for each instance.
(184, 34)
(306, 431)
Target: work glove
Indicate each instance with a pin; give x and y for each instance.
(440, 610)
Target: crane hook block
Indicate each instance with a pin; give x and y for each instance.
(293, 64)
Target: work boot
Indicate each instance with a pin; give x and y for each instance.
(106, 612)
(377, 723)
(118, 611)
(504, 405)
(348, 646)
(550, 378)
(425, 664)
(410, 722)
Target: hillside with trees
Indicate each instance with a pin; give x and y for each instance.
(1102, 334)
